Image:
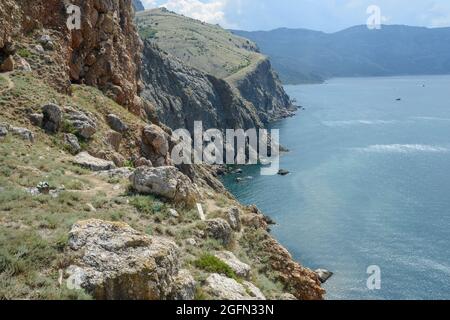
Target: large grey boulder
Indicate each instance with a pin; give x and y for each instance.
(23, 133)
(115, 262)
(52, 118)
(220, 230)
(167, 182)
(222, 288)
(71, 143)
(155, 145)
(241, 269)
(234, 218)
(184, 286)
(82, 122)
(116, 123)
(87, 161)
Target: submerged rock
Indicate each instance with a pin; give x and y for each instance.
(283, 172)
(87, 161)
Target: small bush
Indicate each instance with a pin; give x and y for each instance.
(147, 205)
(210, 263)
(24, 53)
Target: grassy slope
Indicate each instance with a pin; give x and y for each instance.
(34, 229)
(204, 46)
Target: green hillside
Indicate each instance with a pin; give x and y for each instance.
(206, 47)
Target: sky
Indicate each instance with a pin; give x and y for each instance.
(323, 15)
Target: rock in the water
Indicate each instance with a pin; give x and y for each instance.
(220, 230)
(23, 133)
(234, 218)
(184, 286)
(71, 142)
(8, 65)
(241, 269)
(155, 145)
(167, 182)
(283, 172)
(323, 275)
(116, 262)
(223, 288)
(52, 118)
(87, 161)
(82, 122)
(36, 119)
(116, 123)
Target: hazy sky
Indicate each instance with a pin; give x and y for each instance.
(325, 15)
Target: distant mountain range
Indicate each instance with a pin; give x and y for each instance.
(304, 56)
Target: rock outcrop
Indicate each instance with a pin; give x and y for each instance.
(222, 288)
(241, 269)
(87, 161)
(220, 230)
(166, 182)
(182, 95)
(115, 262)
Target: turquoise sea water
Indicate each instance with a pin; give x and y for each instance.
(369, 185)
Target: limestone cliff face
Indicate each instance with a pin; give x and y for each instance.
(105, 52)
(260, 85)
(182, 95)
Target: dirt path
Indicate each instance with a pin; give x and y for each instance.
(10, 83)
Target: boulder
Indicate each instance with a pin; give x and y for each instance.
(323, 275)
(116, 123)
(167, 182)
(87, 161)
(36, 119)
(23, 133)
(116, 262)
(8, 65)
(184, 286)
(82, 122)
(234, 218)
(241, 269)
(220, 230)
(142, 162)
(71, 143)
(222, 288)
(23, 64)
(155, 145)
(3, 130)
(52, 118)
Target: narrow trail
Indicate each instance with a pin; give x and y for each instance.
(10, 83)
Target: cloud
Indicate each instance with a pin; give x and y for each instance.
(210, 12)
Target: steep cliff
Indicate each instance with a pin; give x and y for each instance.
(218, 53)
(104, 52)
(182, 95)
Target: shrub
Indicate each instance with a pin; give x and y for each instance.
(210, 263)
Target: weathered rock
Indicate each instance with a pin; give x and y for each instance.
(241, 269)
(116, 262)
(142, 162)
(114, 139)
(223, 288)
(167, 182)
(23, 64)
(23, 133)
(3, 130)
(155, 145)
(71, 142)
(287, 297)
(220, 230)
(174, 213)
(52, 118)
(283, 172)
(324, 275)
(116, 123)
(36, 119)
(184, 286)
(82, 122)
(8, 65)
(87, 161)
(234, 218)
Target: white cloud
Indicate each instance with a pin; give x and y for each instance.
(210, 12)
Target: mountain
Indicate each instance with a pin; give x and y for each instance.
(91, 204)
(138, 6)
(240, 80)
(301, 55)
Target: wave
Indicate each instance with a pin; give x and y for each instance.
(404, 148)
(346, 123)
(431, 118)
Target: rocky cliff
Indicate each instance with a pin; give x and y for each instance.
(104, 52)
(182, 95)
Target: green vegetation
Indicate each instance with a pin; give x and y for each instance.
(24, 53)
(204, 46)
(210, 263)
